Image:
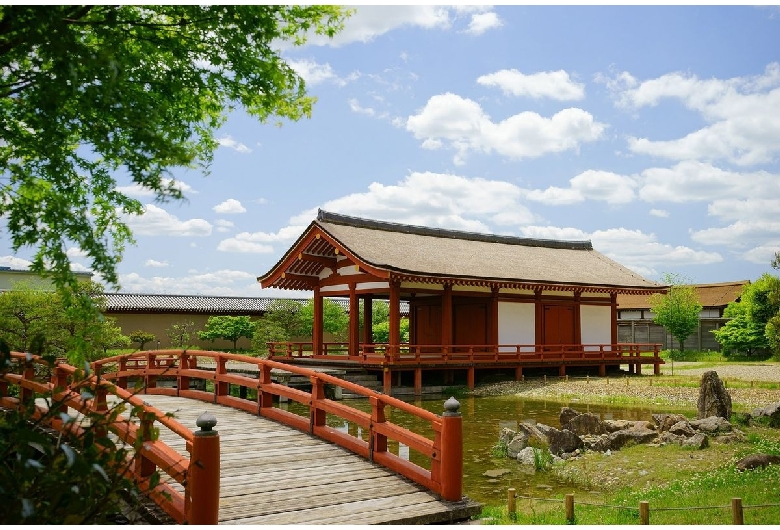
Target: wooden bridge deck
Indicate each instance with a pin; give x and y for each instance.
(273, 474)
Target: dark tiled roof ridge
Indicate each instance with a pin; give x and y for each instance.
(358, 222)
(203, 296)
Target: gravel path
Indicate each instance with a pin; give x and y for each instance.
(744, 372)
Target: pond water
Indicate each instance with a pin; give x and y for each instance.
(483, 419)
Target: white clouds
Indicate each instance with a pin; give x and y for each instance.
(634, 249)
(14, 262)
(224, 282)
(556, 85)
(369, 22)
(740, 111)
(229, 142)
(136, 190)
(482, 22)
(315, 73)
(229, 206)
(257, 242)
(75, 252)
(697, 181)
(466, 127)
(655, 212)
(157, 222)
(354, 106)
(223, 225)
(595, 185)
(156, 264)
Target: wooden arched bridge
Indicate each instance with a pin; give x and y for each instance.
(250, 461)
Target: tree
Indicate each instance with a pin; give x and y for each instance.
(335, 320)
(267, 331)
(381, 332)
(286, 314)
(89, 92)
(752, 323)
(228, 328)
(141, 337)
(678, 310)
(180, 333)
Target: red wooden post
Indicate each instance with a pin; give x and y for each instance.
(387, 381)
(60, 381)
(26, 394)
(518, 373)
(264, 399)
(220, 387)
(417, 381)
(151, 380)
(203, 473)
(122, 380)
(354, 322)
(394, 324)
(470, 378)
(316, 415)
(183, 381)
(451, 451)
(562, 370)
(378, 441)
(368, 316)
(144, 467)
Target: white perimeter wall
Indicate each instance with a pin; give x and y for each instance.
(596, 324)
(516, 323)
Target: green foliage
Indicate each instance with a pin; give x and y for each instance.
(500, 450)
(381, 332)
(73, 325)
(141, 337)
(180, 334)
(542, 458)
(692, 355)
(228, 328)
(753, 325)
(335, 320)
(87, 92)
(286, 315)
(62, 478)
(267, 331)
(678, 310)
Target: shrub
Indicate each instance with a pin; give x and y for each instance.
(141, 337)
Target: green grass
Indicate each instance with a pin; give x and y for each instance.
(672, 480)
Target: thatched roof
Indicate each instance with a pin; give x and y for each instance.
(428, 254)
(711, 295)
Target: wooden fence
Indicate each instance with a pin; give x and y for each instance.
(736, 507)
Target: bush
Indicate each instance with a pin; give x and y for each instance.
(141, 337)
(49, 477)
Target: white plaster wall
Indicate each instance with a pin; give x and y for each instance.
(516, 323)
(371, 286)
(595, 325)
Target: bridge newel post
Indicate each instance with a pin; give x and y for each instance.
(183, 381)
(144, 467)
(203, 473)
(317, 416)
(122, 380)
(221, 388)
(151, 363)
(451, 451)
(59, 379)
(378, 442)
(264, 399)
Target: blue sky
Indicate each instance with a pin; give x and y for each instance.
(652, 131)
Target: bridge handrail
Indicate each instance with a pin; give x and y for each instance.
(444, 451)
(149, 455)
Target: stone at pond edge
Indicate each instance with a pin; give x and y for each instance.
(712, 424)
(518, 443)
(697, 441)
(526, 456)
(757, 460)
(713, 400)
(495, 473)
(587, 423)
(771, 411)
(665, 421)
(567, 414)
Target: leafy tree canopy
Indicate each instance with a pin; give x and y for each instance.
(678, 310)
(335, 320)
(90, 92)
(228, 328)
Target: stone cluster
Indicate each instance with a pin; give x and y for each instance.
(586, 431)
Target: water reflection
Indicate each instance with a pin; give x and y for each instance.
(483, 419)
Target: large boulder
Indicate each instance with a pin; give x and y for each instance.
(563, 441)
(517, 444)
(615, 440)
(697, 441)
(506, 436)
(758, 460)
(714, 400)
(534, 432)
(682, 428)
(587, 423)
(567, 414)
(526, 456)
(665, 421)
(772, 412)
(712, 425)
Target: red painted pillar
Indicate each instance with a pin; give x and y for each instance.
(317, 324)
(203, 474)
(354, 322)
(471, 377)
(446, 316)
(417, 381)
(368, 316)
(387, 381)
(451, 451)
(395, 318)
(613, 317)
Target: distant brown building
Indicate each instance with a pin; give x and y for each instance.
(635, 320)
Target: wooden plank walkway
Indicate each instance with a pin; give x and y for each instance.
(273, 474)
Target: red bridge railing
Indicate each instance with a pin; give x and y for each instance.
(444, 451)
(197, 474)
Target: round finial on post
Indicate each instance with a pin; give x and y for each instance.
(206, 422)
(451, 407)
